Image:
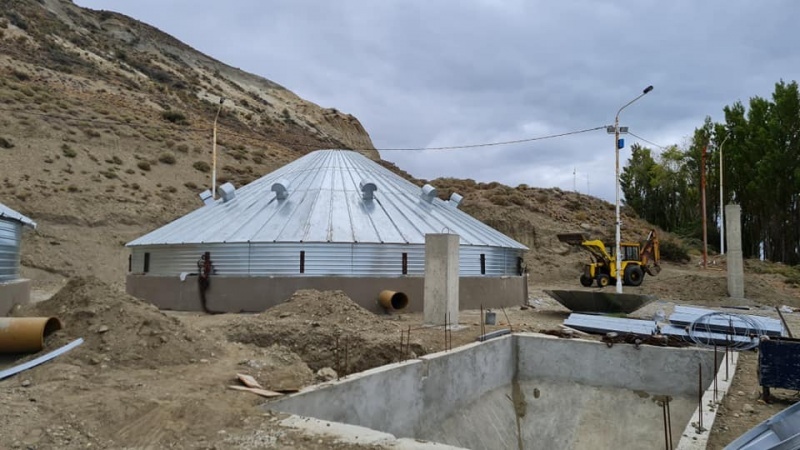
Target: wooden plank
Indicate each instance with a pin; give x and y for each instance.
(262, 392)
(248, 381)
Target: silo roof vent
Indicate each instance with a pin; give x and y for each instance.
(455, 199)
(206, 197)
(429, 193)
(281, 189)
(368, 189)
(227, 191)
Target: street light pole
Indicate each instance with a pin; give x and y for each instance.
(617, 250)
(721, 203)
(214, 153)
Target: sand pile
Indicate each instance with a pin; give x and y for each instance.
(327, 329)
(118, 329)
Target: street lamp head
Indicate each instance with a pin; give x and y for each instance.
(647, 89)
(222, 99)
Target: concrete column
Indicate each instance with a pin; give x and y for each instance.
(733, 231)
(441, 279)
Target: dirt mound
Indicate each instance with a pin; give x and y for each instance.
(117, 329)
(327, 329)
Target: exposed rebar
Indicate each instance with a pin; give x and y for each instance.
(700, 397)
(669, 422)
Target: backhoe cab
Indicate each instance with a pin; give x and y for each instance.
(638, 259)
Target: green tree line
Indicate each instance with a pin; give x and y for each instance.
(760, 146)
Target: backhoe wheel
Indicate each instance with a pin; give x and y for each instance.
(603, 280)
(633, 275)
(586, 281)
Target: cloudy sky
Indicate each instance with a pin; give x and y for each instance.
(423, 73)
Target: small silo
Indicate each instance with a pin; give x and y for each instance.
(13, 289)
(332, 219)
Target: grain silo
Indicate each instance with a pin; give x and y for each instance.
(332, 219)
(13, 289)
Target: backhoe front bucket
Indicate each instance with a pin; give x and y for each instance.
(572, 238)
(652, 270)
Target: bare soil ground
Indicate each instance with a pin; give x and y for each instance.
(152, 379)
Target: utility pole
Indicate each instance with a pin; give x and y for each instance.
(618, 145)
(574, 180)
(214, 153)
(703, 202)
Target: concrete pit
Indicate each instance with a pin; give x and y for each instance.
(523, 391)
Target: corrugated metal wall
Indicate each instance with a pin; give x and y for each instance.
(10, 237)
(320, 259)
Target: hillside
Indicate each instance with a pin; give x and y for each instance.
(106, 130)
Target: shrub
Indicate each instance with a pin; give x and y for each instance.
(144, 165)
(68, 151)
(72, 188)
(672, 250)
(202, 166)
(183, 148)
(167, 158)
(190, 185)
(176, 117)
(5, 143)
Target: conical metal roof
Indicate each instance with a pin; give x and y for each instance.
(7, 213)
(327, 199)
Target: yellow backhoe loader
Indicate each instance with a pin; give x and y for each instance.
(638, 259)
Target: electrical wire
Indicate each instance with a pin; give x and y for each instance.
(645, 140)
(230, 133)
(493, 144)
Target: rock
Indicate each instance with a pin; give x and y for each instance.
(327, 374)
(203, 361)
(748, 408)
(284, 315)
(586, 226)
(102, 329)
(94, 361)
(26, 383)
(740, 393)
(524, 307)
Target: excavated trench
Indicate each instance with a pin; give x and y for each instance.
(524, 391)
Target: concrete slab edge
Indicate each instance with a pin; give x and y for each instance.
(691, 439)
(388, 367)
(353, 434)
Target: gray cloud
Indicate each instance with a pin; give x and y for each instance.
(420, 73)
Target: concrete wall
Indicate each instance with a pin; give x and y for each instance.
(413, 398)
(254, 294)
(523, 391)
(654, 370)
(563, 415)
(17, 292)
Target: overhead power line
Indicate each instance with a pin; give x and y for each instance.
(645, 140)
(108, 122)
(493, 144)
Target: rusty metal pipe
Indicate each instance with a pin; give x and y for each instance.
(26, 334)
(392, 300)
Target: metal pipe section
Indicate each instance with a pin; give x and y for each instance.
(26, 334)
(392, 300)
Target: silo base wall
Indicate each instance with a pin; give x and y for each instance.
(255, 294)
(12, 293)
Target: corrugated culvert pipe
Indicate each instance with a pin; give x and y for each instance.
(392, 300)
